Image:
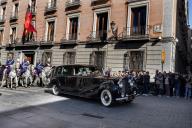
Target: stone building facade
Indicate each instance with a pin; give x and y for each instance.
(121, 34)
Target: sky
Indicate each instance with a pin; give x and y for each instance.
(190, 13)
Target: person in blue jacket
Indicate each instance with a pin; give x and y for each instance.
(9, 63)
(24, 65)
(39, 67)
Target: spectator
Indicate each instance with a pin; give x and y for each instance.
(139, 82)
(183, 83)
(167, 85)
(146, 82)
(177, 85)
(108, 72)
(188, 87)
(172, 83)
(161, 88)
(157, 82)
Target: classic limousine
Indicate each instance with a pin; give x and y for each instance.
(87, 81)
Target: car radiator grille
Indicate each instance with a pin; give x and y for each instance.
(126, 88)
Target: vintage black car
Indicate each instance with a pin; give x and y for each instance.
(87, 81)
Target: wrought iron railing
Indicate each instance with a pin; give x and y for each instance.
(72, 3)
(98, 36)
(72, 36)
(69, 38)
(28, 40)
(137, 32)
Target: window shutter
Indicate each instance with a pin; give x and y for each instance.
(52, 31)
(126, 61)
(64, 58)
(70, 29)
(136, 60)
(99, 58)
(92, 58)
(73, 58)
(48, 32)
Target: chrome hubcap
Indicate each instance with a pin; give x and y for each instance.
(106, 97)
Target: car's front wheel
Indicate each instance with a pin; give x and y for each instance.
(106, 97)
(55, 90)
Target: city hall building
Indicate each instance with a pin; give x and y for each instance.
(121, 34)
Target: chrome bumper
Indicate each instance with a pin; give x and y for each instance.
(127, 98)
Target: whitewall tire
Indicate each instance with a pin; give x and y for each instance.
(106, 97)
(55, 90)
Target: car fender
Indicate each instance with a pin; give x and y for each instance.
(110, 86)
(54, 81)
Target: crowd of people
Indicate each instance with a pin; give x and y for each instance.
(173, 84)
(168, 84)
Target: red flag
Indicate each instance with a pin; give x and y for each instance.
(28, 26)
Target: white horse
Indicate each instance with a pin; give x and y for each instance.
(44, 77)
(26, 78)
(11, 76)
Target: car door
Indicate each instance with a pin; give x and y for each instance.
(86, 83)
(69, 79)
(60, 77)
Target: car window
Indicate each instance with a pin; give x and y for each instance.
(84, 71)
(59, 71)
(67, 71)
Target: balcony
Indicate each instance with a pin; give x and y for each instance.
(72, 4)
(72, 39)
(2, 2)
(2, 19)
(26, 42)
(13, 17)
(97, 37)
(46, 44)
(51, 7)
(134, 33)
(97, 2)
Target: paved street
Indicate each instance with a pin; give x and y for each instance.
(33, 108)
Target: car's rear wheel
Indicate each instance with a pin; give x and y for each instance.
(106, 97)
(55, 90)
